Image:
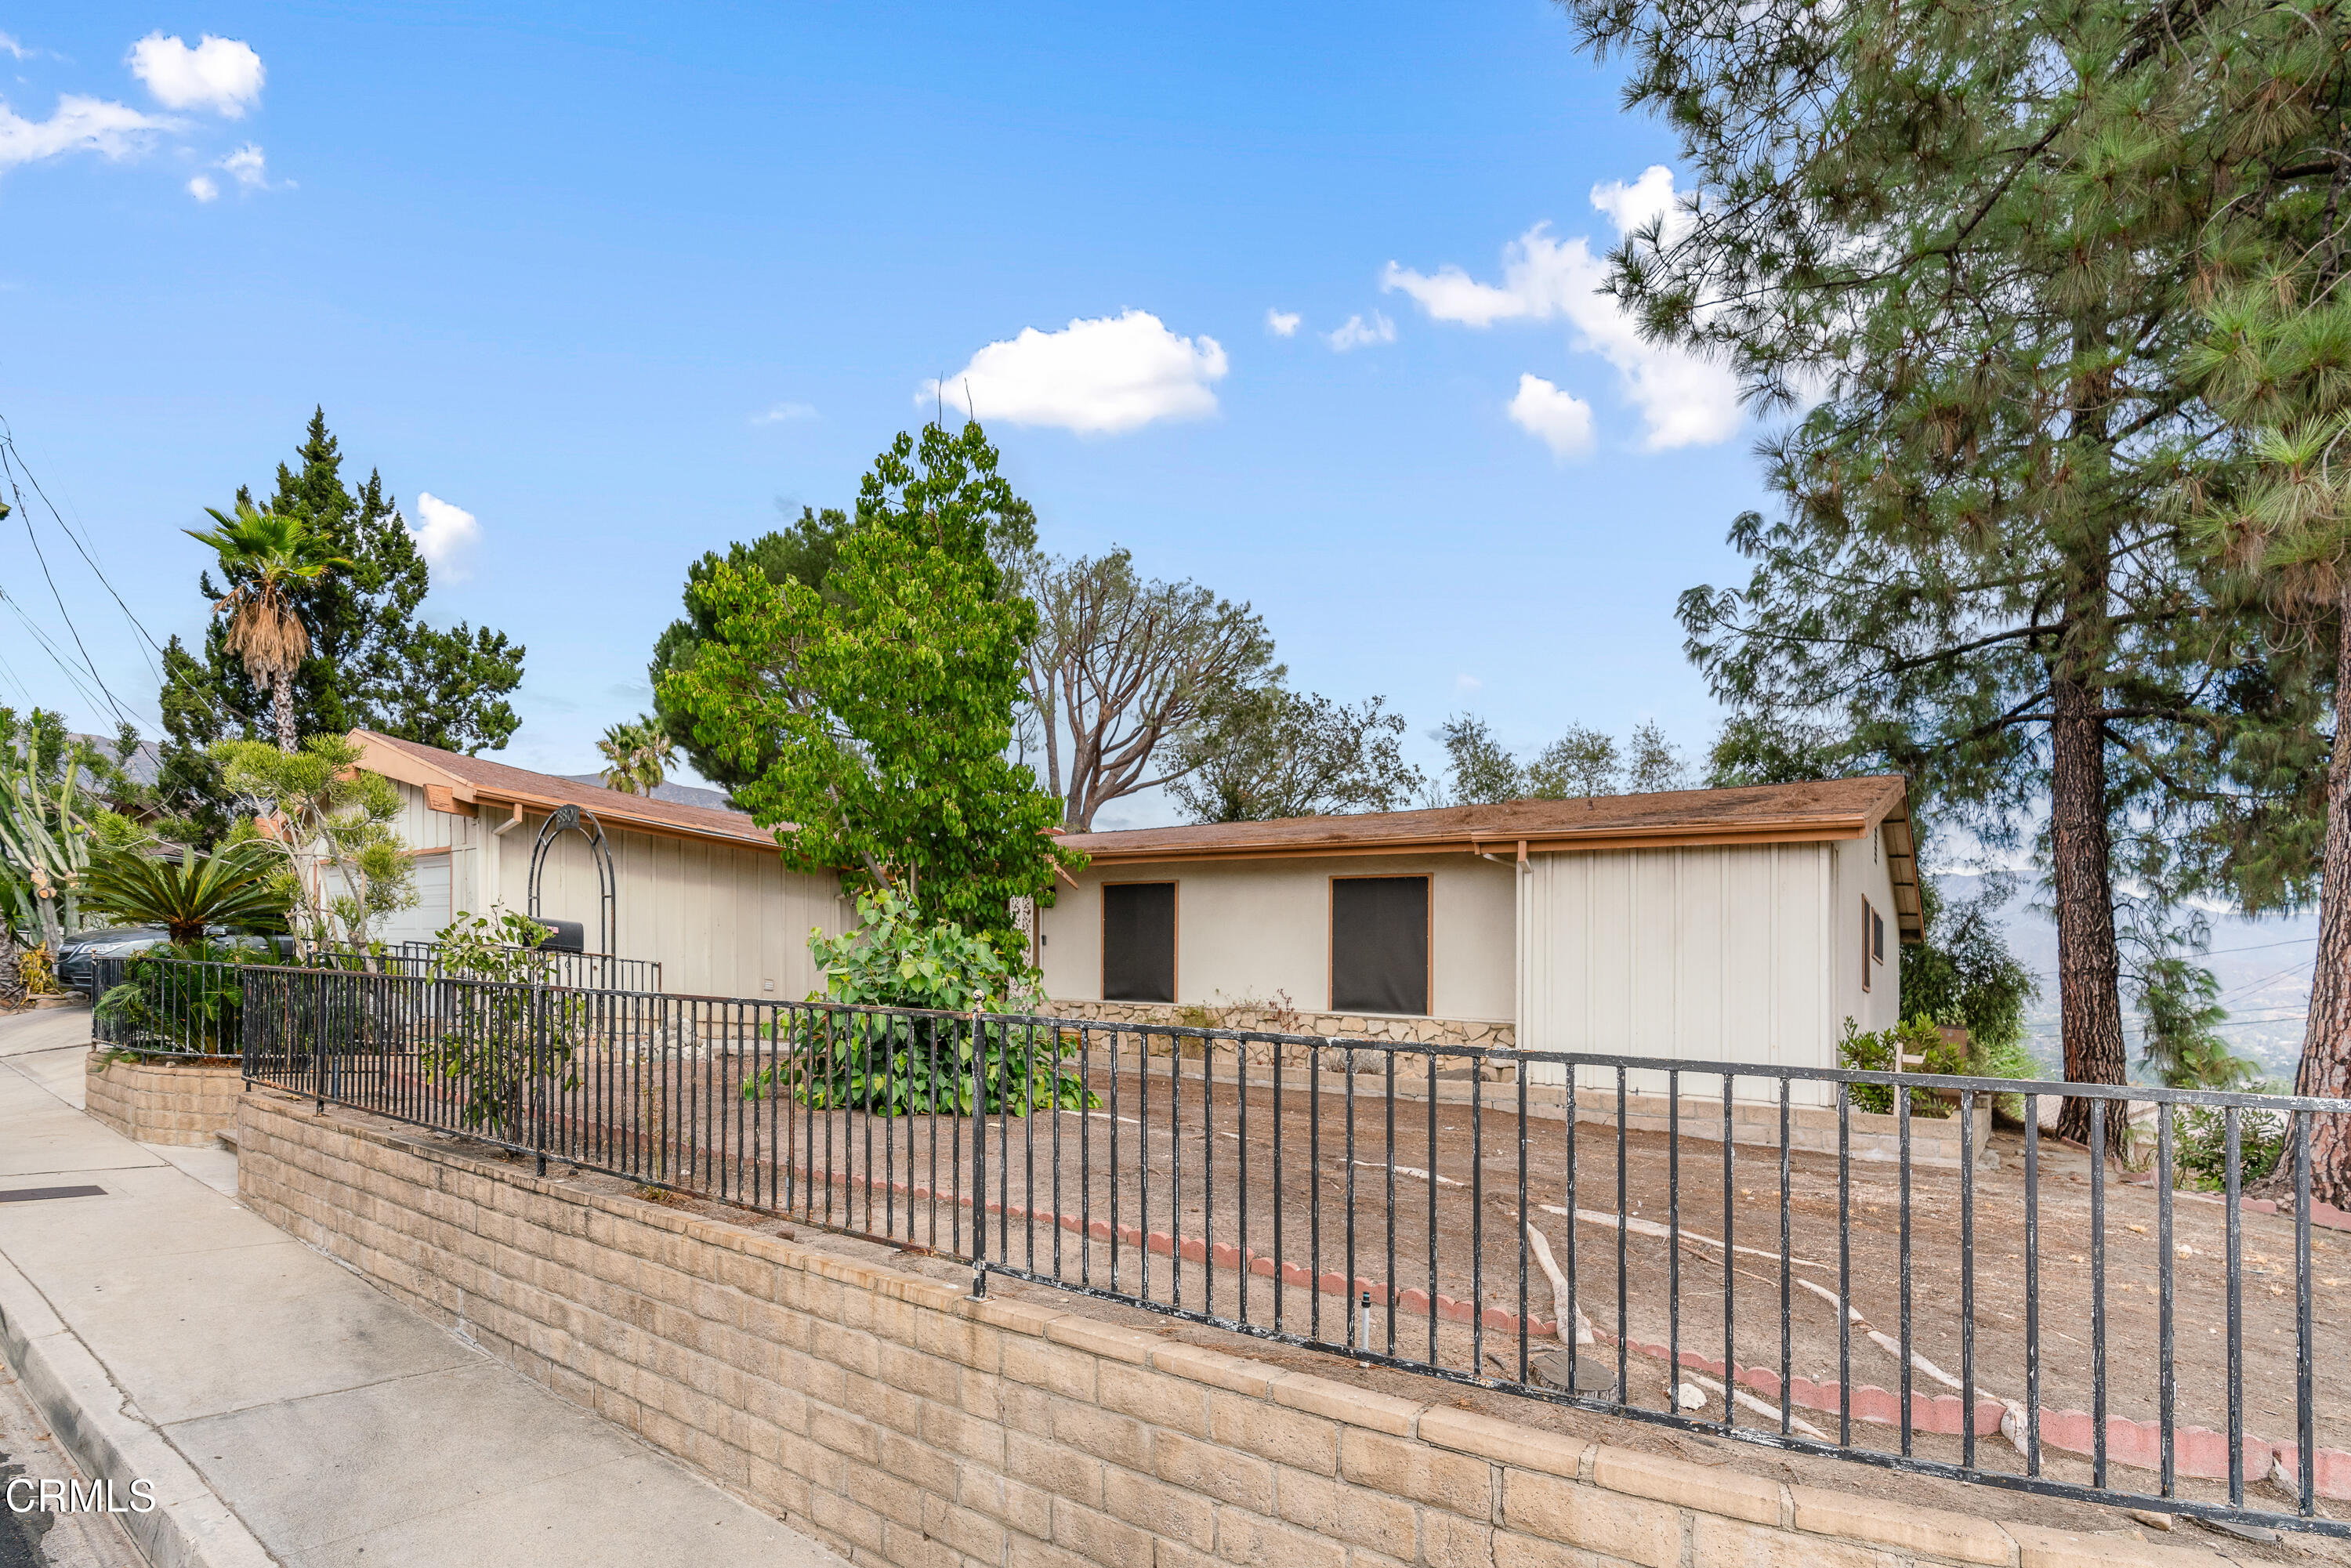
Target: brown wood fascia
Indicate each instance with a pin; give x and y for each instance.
(1454, 843)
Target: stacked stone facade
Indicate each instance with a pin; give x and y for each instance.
(902, 1423)
(1471, 1034)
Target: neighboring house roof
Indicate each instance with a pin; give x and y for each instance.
(678, 794)
(1820, 812)
(451, 780)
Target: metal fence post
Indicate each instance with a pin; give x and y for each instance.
(978, 1162)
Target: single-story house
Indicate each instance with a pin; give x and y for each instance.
(700, 890)
(1712, 924)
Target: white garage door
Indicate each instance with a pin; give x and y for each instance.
(430, 912)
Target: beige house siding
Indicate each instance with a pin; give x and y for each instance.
(1255, 930)
(721, 919)
(1862, 872)
(1736, 953)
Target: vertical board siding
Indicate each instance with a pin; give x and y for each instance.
(1720, 954)
(721, 920)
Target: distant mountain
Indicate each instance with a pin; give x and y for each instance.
(676, 794)
(2263, 967)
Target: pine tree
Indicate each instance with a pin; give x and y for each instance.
(1943, 230)
(371, 664)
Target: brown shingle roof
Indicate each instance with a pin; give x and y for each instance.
(1824, 809)
(477, 780)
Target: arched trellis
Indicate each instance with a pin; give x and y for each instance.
(572, 819)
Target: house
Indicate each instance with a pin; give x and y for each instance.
(1712, 924)
(699, 889)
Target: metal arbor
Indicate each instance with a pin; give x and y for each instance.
(572, 819)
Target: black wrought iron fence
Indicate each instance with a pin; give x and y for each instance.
(1745, 1250)
(589, 971)
(156, 1004)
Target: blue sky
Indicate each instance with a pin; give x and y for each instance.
(612, 281)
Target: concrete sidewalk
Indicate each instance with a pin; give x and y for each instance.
(282, 1408)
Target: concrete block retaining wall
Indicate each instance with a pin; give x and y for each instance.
(155, 1099)
(903, 1423)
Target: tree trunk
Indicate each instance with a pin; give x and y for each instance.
(2327, 1036)
(2089, 970)
(281, 700)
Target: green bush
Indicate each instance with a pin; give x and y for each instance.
(2200, 1145)
(187, 999)
(892, 1065)
(1883, 1052)
(501, 1035)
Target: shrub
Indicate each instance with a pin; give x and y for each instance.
(184, 998)
(891, 1064)
(1883, 1052)
(2200, 1146)
(505, 1029)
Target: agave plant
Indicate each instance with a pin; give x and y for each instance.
(238, 886)
(43, 842)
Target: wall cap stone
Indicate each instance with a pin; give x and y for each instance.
(1723, 1491)
(1344, 1402)
(1505, 1442)
(2040, 1547)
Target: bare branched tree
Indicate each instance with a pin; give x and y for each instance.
(1123, 671)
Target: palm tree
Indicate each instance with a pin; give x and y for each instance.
(638, 754)
(264, 555)
(238, 886)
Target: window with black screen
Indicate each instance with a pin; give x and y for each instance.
(1379, 945)
(1139, 942)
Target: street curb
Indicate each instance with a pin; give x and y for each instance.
(110, 1440)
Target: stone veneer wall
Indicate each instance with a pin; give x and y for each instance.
(902, 1423)
(1477, 1033)
(155, 1099)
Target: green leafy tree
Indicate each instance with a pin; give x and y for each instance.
(1279, 753)
(1482, 769)
(1578, 765)
(879, 708)
(372, 664)
(1962, 976)
(802, 552)
(1945, 232)
(328, 823)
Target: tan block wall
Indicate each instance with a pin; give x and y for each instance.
(182, 1103)
(902, 1423)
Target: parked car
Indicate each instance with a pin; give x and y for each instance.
(77, 961)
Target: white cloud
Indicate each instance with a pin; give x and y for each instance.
(1559, 419)
(202, 188)
(219, 74)
(1685, 400)
(1357, 333)
(1282, 323)
(11, 47)
(1467, 683)
(247, 167)
(79, 125)
(1101, 376)
(448, 538)
(785, 414)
